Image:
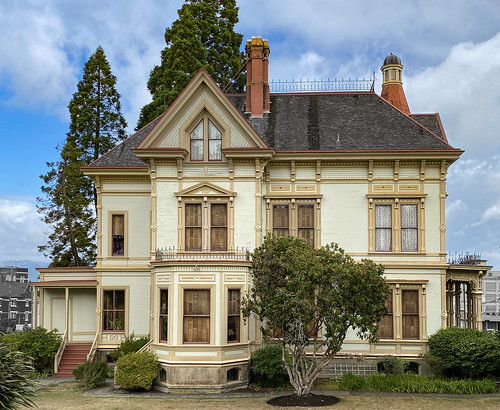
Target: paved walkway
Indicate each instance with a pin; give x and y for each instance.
(108, 390)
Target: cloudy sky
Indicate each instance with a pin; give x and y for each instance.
(450, 50)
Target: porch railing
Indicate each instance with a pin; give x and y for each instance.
(93, 349)
(60, 351)
(173, 254)
(146, 347)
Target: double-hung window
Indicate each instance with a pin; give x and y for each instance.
(113, 310)
(297, 219)
(117, 234)
(194, 227)
(405, 308)
(196, 316)
(396, 227)
(163, 315)
(205, 142)
(233, 315)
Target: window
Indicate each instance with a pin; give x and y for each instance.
(163, 315)
(196, 316)
(27, 303)
(113, 310)
(296, 219)
(386, 325)
(383, 228)
(117, 235)
(205, 142)
(12, 315)
(13, 303)
(398, 226)
(194, 227)
(26, 316)
(233, 316)
(410, 314)
(405, 311)
(409, 228)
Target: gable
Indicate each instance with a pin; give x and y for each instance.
(202, 98)
(205, 189)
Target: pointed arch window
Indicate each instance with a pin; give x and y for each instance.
(205, 142)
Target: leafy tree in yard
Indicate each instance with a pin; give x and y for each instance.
(202, 36)
(298, 291)
(70, 201)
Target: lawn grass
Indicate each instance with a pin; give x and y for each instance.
(68, 395)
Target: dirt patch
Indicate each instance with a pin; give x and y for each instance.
(310, 400)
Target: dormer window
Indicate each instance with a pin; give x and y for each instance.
(205, 142)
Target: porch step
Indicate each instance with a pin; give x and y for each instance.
(74, 355)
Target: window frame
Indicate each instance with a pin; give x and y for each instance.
(208, 316)
(111, 214)
(294, 204)
(397, 290)
(205, 119)
(234, 315)
(114, 309)
(163, 315)
(397, 241)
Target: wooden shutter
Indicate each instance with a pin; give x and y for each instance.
(306, 223)
(410, 314)
(218, 229)
(386, 324)
(281, 224)
(193, 227)
(196, 316)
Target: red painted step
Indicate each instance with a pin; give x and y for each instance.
(74, 355)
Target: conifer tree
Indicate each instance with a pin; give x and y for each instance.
(202, 36)
(70, 201)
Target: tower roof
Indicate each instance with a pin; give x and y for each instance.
(392, 59)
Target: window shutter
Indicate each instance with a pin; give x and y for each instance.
(193, 227)
(386, 324)
(218, 231)
(410, 314)
(306, 223)
(197, 316)
(280, 220)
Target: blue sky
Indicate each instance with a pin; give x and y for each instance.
(449, 49)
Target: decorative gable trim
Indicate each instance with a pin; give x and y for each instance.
(205, 189)
(201, 93)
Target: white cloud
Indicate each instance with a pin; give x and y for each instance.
(20, 229)
(455, 207)
(490, 214)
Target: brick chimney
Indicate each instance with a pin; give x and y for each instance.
(392, 84)
(257, 88)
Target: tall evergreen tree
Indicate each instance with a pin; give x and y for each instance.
(202, 36)
(70, 202)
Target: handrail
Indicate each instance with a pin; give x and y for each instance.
(93, 348)
(60, 351)
(146, 347)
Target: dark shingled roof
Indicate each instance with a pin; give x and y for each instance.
(122, 155)
(14, 289)
(320, 121)
(339, 121)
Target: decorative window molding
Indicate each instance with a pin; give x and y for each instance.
(113, 310)
(406, 313)
(205, 139)
(396, 225)
(196, 316)
(118, 233)
(296, 217)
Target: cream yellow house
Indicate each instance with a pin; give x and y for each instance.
(182, 201)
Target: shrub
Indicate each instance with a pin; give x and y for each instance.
(16, 387)
(267, 367)
(137, 370)
(91, 374)
(40, 344)
(458, 352)
(413, 383)
(129, 345)
(392, 365)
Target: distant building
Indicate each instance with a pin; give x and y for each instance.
(14, 274)
(491, 301)
(15, 299)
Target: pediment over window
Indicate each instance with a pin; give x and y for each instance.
(201, 100)
(205, 189)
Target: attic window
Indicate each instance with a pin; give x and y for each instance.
(205, 142)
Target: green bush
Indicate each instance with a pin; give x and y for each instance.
(40, 344)
(137, 370)
(393, 365)
(92, 375)
(16, 387)
(129, 345)
(413, 383)
(464, 353)
(267, 367)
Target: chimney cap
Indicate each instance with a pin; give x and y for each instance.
(392, 59)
